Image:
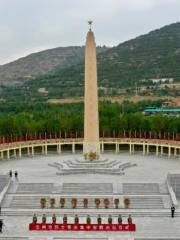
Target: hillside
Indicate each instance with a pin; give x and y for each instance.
(38, 63)
(154, 55)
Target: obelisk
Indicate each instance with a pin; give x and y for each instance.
(91, 146)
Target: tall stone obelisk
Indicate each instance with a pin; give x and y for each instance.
(91, 146)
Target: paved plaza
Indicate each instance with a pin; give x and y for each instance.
(142, 178)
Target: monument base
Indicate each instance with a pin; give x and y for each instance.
(91, 151)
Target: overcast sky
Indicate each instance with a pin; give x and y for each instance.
(28, 26)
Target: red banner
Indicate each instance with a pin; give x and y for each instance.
(82, 227)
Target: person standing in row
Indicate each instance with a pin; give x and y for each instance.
(54, 219)
(110, 219)
(88, 220)
(99, 219)
(34, 218)
(65, 219)
(119, 219)
(129, 219)
(44, 218)
(10, 173)
(76, 219)
(172, 210)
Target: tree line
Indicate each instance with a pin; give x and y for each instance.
(68, 118)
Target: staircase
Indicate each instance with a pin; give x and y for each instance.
(146, 202)
(141, 188)
(4, 179)
(25, 188)
(87, 188)
(175, 183)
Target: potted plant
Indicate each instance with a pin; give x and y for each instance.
(126, 202)
(52, 202)
(62, 202)
(74, 202)
(97, 202)
(85, 202)
(116, 202)
(43, 202)
(106, 203)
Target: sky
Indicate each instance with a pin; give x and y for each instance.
(28, 26)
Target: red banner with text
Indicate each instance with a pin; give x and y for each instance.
(82, 227)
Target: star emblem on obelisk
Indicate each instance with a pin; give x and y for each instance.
(90, 22)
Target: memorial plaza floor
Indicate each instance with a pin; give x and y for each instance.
(140, 178)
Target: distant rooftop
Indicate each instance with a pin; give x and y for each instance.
(161, 110)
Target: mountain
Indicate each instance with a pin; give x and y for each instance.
(154, 55)
(39, 63)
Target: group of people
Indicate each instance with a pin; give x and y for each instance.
(11, 174)
(88, 219)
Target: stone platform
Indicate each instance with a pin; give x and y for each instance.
(144, 184)
(102, 166)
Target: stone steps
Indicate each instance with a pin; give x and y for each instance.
(87, 188)
(157, 238)
(141, 188)
(73, 164)
(35, 188)
(4, 179)
(84, 212)
(175, 183)
(136, 202)
(14, 238)
(109, 171)
(48, 238)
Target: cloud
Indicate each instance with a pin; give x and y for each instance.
(26, 25)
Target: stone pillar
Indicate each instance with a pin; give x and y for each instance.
(2, 154)
(20, 152)
(91, 114)
(175, 152)
(147, 149)
(133, 148)
(8, 155)
(144, 149)
(130, 148)
(15, 152)
(28, 151)
(45, 149)
(169, 151)
(102, 147)
(73, 148)
(157, 150)
(59, 148)
(117, 147)
(33, 151)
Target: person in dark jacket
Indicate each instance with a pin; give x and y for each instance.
(88, 220)
(1, 225)
(16, 174)
(34, 219)
(76, 219)
(119, 219)
(44, 218)
(110, 219)
(129, 219)
(65, 219)
(10, 173)
(172, 210)
(99, 219)
(54, 219)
